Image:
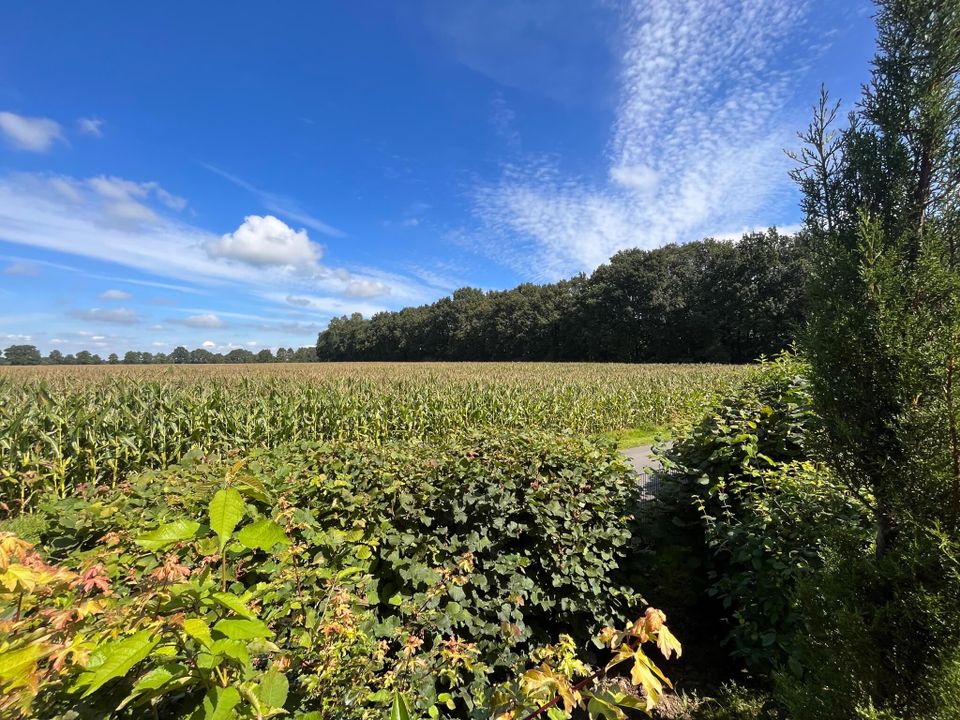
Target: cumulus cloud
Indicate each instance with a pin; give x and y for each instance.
(264, 241)
(696, 143)
(115, 295)
(118, 316)
(90, 126)
(33, 134)
(208, 345)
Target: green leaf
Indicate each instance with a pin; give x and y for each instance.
(218, 704)
(168, 534)
(273, 688)
(17, 664)
(262, 535)
(226, 510)
(157, 678)
(599, 707)
(120, 657)
(198, 630)
(400, 709)
(233, 649)
(232, 602)
(242, 629)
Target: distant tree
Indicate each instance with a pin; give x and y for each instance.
(304, 354)
(85, 357)
(239, 355)
(149, 358)
(264, 356)
(113, 359)
(180, 355)
(202, 356)
(55, 357)
(132, 357)
(22, 355)
(69, 359)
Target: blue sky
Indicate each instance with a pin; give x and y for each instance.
(234, 174)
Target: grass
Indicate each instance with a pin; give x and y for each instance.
(637, 436)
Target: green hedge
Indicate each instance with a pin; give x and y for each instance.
(760, 516)
(502, 542)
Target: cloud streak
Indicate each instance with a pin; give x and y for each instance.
(279, 204)
(695, 147)
(32, 134)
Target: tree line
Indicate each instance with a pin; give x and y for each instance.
(705, 301)
(30, 355)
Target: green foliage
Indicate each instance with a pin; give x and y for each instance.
(706, 301)
(762, 519)
(883, 347)
(328, 578)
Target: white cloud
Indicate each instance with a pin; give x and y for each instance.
(264, 241)
(119, 316)
(90, 126)
(641, 178)
(78, 216)
(206, 320)
(22, 268)
(124, 197)
(32, 134)
(115, 295)
(208, 345)
(326, 306)
(696, 143)
(366, 289)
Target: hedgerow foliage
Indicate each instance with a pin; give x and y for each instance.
(324, 580)
(760, 515)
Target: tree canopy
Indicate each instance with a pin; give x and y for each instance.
(706, 301)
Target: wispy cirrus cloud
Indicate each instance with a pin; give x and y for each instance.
(117, 316)
(137, 225)
(695, 147)
(90, 126)
(279, 204)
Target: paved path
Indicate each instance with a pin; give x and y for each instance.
(640, 457)
(645, 466)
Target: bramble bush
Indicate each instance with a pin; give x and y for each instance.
(757, 513)
(330, 580)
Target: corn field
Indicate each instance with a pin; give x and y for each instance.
(62, 427)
